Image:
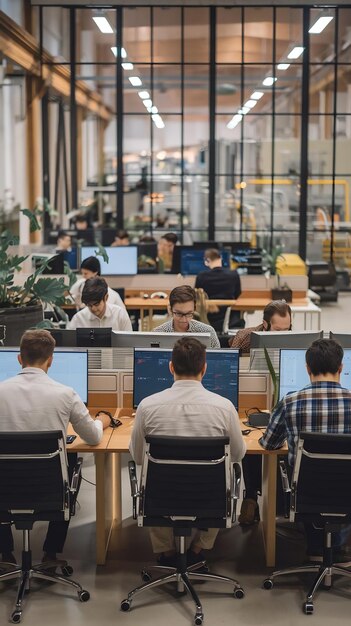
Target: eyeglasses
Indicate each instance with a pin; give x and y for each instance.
(180, 315)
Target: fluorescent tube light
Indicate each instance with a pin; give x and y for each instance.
(127, 66)
(257, 95)
(269, 81)
(135, 80)
(143, 95)
(320, 24)
(295, 52)
(244, 110)
(147, 102)
(236, 119)
(250, 104)
(283, 66)
(157, 119)
(103, 24)
(123, 52)
(153, 110)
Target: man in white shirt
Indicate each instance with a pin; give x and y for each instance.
(98, 313)
(187, 409)
(33, 401)
(89, 268)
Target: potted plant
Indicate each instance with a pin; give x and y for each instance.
(21, 306)
(282, 291)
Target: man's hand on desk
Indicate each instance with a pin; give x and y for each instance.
(104, 417)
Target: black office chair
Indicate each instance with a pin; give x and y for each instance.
(35, 486)
(320, 494)
(185, 483)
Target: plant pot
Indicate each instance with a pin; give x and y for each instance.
(19, 319)
(282, 293)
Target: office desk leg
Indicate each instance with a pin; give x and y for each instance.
(269, 495)
(108, 501)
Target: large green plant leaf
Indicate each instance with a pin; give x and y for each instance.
(101, 252)
(50, 290)
(33, 219)
(72, 277)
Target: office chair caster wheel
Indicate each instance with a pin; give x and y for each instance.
(268, 583)
(67, 570)
(16, 617)
(308, 608)
(199, 619)
(145, 576)
(84, 596)
(239, 593)
(125, 605)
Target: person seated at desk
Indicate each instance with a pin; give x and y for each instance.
(220, 284)
(323, 406)
(64, 241)
(121, 238)
(32, 401)
(276, 316)
(90, 268)
(165, 249)
(98, 313)
(181, 308)
(194, 412)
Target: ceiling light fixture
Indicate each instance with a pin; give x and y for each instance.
(147, 103)
(135, 80)
(283, 66)
(144, 95)
(244, 110)
(103, 24)
(269, 81)
(123, 52)
(236, 119)
(153, 110)
(157, 119)
(296, 52)
(127, 66)
(320, 24)
(250, 104)
(257, 95)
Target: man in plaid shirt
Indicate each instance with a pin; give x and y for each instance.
(322, 406)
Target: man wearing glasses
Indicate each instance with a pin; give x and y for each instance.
(181, 307)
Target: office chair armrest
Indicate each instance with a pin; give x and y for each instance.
(133, 486)
(236, 488)
(286, 487)
(76, 477)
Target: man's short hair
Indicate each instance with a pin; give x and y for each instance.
(92, 264)
(36, 346)
(212, 254)
(170, 237)
(94, 290)
(188, 356)
(324, 356)
(81, 219)
(122, 234)
(185, 293)
(276, 307)
(62, 234)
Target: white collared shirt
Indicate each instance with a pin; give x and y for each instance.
(114, 317)
(33, 401)
(187, 409)
(76, 293)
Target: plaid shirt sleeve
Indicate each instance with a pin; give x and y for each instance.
(276, 432)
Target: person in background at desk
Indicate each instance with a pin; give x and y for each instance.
(32, 401)
(90, 268)
(98, 313)
(182, 301)
(219, 283)
(186, 409)
(165, 249)
(64, 241)
(276, 316)
(324, 407)
(121, 238)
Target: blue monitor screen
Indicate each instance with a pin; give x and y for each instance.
(293, 372)
(151, 373)
(192, 260)
(71, 256)
(122, 260)
(68, 367)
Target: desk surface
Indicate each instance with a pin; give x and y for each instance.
(246, 303)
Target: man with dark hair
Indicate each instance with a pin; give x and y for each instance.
(32, 401)
(90, 268)
(186, 409)
(121, 238)
(64, 241)
(323, 406)
(98, 313)
(276, 316)
(220, 284)
(182, 301)
(165, 249)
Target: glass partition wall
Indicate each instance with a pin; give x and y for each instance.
(218, 123)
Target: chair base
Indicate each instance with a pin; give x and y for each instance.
(323, 579)
(183, 581)
(25, 576)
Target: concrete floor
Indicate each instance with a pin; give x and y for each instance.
(238, 553)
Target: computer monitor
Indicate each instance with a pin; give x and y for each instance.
(189, 260)
(147, 255)
(343, 338)
(55, 266)
(69, 367)
(123, 260)
(151, 373)
(64, 338)
(93, 337)
(284, 339)
(293, 373)
(127, 339)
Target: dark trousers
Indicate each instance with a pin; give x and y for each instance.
(56, 533)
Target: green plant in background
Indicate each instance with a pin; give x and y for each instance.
(269, 259)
